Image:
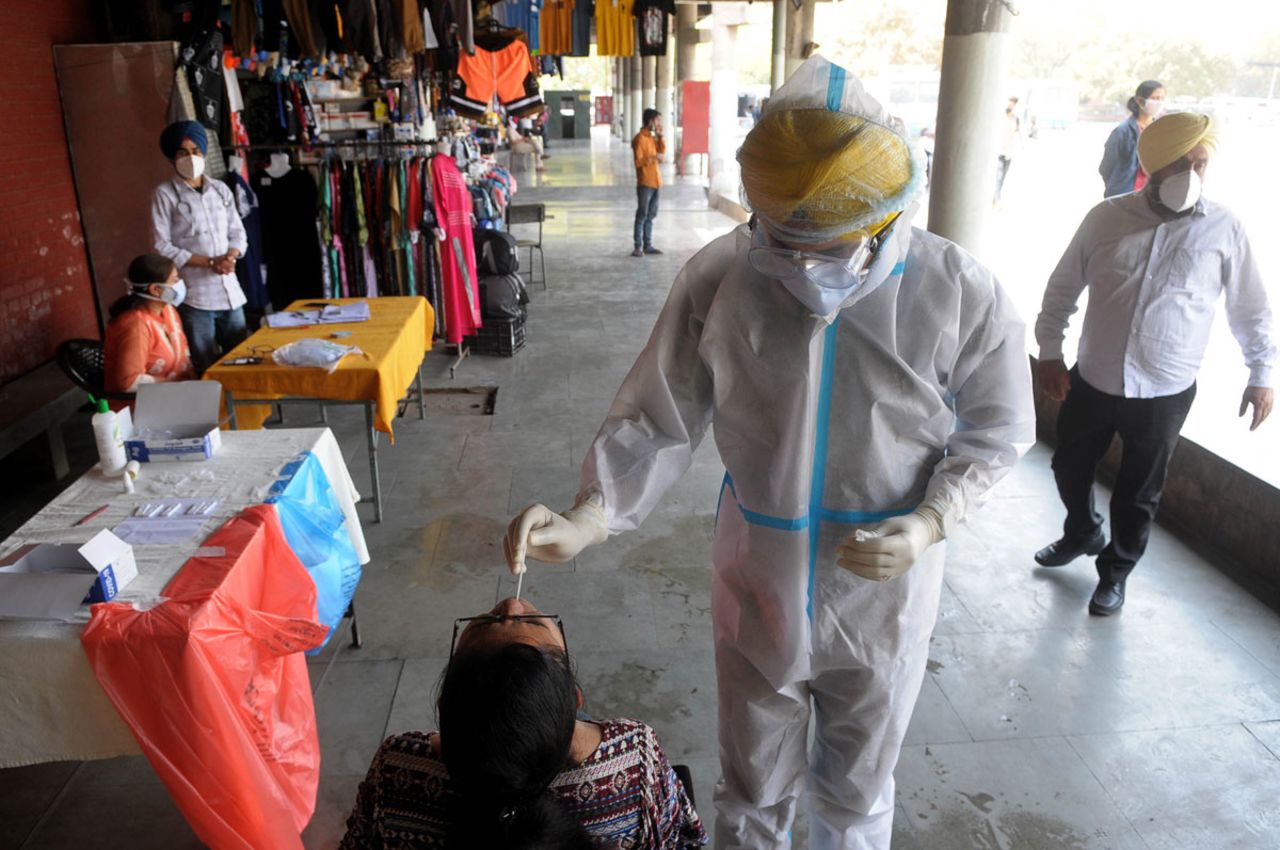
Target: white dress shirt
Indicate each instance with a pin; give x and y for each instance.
(186, 221)
(1153, 288)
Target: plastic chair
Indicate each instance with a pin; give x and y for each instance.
(530, 214)
(83, 362)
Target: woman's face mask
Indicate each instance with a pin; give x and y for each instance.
(1152, 107)
(170, 293)
(190, 167)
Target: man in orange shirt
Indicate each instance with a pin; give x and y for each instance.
(648, 148)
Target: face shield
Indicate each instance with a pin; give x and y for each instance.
(841, 267)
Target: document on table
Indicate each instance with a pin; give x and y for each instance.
(329, 314)
(166, 522)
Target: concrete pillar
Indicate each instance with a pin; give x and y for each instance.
(620, 103)
(971, 102)
(648, 81)
(726, 18)
(799, 29)
(636, 98)
(686, 40)
(778, 69)
(666, 102)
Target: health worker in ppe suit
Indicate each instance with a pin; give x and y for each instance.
(867, 384)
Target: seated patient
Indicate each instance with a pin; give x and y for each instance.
(145, 343)
(512, 767)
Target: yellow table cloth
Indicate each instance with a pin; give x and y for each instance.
(394, 340)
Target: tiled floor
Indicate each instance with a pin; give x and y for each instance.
(1038, 726)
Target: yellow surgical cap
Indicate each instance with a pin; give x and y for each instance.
(1168, 139)
(813, 174)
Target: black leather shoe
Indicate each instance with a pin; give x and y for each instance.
(1064, 551)
(1107, 599)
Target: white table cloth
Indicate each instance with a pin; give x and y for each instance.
(51, 705)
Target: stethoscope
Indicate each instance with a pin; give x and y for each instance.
(187, 210)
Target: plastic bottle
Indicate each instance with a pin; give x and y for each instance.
(106, 433)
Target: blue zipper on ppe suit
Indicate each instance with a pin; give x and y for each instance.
(817, 514)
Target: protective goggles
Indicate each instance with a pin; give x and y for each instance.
(841, 267)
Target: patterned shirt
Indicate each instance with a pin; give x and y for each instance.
(625, 794)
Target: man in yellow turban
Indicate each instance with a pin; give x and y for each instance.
(1155, 263)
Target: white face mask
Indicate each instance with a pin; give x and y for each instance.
(1152, 108)
(190, 167)
(171, 293)
(819, 281)
(1181, 191)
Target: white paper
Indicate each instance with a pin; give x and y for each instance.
(329, 314)
(143, 531)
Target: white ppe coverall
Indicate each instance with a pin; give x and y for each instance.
(916, 390)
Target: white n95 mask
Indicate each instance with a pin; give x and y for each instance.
(1181, 191)
(190, 167)
(820, 281)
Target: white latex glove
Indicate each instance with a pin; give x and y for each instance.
(544, 535)
(892, 547)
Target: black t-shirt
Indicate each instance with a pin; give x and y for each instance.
(652, 15)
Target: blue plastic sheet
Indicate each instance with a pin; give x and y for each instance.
(316, 529)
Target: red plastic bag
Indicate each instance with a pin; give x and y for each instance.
(214, 686)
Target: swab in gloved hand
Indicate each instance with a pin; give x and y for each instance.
(544, 535)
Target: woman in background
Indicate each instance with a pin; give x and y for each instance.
(1119, 168)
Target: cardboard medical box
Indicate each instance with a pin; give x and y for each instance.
(175, 421)
(51, 580)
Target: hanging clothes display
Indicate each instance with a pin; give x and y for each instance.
(525, 15)
(583, 15)
(652, 16)
(507, 72)
(360, 27)
(304, 30)
(287, 204)
(244, 26)
(457, 251)
(202, 60)
(454, 18)
(615, 29)
(249, 267)
(557, 28)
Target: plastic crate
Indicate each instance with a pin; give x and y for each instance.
(503, 337)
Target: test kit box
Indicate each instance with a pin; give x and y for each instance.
(50, 580)
(175, 421)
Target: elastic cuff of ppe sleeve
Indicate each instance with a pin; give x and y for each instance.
(588, 513)
(1050, 352)
(937, 520)
(1260, 376)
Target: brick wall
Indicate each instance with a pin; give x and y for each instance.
(46, 294)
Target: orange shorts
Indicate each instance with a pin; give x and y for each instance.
(507, 73)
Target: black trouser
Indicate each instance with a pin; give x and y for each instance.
(1148, 429)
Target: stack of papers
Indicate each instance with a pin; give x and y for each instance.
(329, 314)
(167, 521)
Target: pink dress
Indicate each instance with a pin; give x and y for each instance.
(457, 252)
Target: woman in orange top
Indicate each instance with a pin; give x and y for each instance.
(145, 343)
